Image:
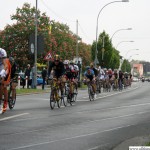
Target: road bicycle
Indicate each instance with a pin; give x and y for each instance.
(115, 84)
(11, 100)
(70, 93)
(120, 84)
(55, 94)
(98, 85)
(90, 90)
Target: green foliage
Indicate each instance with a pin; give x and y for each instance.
(126, 67)
(110, 57)
(59, 39)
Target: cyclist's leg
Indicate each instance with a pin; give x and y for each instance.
(5, 97)
(1, 93)
(14, 90)
(61, 86)
(94, 86)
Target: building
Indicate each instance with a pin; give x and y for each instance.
(137, 70)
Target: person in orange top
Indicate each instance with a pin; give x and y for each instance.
(5, 73)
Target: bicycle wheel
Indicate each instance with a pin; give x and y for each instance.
(91, 93)
(65, 96)
(59, 98)
(11, 101)
(75, 93)
(69, 98)
(120, 85)
(52, 100)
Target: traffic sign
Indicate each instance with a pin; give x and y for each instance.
(48, 56)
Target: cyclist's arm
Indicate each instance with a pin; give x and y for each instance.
(50, 69)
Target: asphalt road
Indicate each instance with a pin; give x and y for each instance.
(97, 125)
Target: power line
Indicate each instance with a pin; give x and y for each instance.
(84, 32)
(56, 14)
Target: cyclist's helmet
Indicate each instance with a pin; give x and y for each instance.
(56, 57)
(3, 53)
(91, 65)
(71, 62)
(66, 62)
(87, 67)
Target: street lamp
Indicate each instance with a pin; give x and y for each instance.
(35, 48)
(130, 51)
(122, 42)
(118, 31)
(96, 60)
(132, 56)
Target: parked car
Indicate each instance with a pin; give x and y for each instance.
(23, 79)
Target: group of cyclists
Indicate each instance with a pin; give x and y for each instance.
(107, 78)
(7, 76)
(63, 71)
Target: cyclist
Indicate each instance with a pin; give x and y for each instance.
(5, 73)
(115, 76)
(89, 75)
(69, 75)
(58, 70)
(75, 72)
(14, 77)
(120, 79)
(94, 69)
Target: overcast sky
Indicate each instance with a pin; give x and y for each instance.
(134, 14)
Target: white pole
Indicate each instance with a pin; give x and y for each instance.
(19, 82)
(26, 82)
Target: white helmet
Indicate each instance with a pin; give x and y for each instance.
(76, 68)
(3, 53)
(66, 62)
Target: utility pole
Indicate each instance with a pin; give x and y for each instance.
(35, 49)
(77, 57)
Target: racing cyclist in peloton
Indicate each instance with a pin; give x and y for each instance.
(5, 74)
(58, 71)
(89, 75)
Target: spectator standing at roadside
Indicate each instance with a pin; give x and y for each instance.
(27, 74)
(32, 73)
(44, 75)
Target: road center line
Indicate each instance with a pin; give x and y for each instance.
(15, 116)
(113, 93)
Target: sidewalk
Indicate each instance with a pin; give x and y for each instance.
(137, 141)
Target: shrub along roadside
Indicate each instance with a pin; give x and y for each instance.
(25, 91)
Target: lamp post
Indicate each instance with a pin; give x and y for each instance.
(130, 51)
(122, 42)
(96, 60)
(118, 31)
(35, 47)
(132, 56)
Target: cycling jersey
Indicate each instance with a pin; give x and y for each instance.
(3, 55)
(68, 72)
(89, 75)
(8, 72)
(58, 69)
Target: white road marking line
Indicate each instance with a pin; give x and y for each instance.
(15, 116)
(70, 138)
(113, 93)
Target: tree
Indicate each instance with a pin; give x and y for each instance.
(110, 57)
(126, 67)
(15, 38)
